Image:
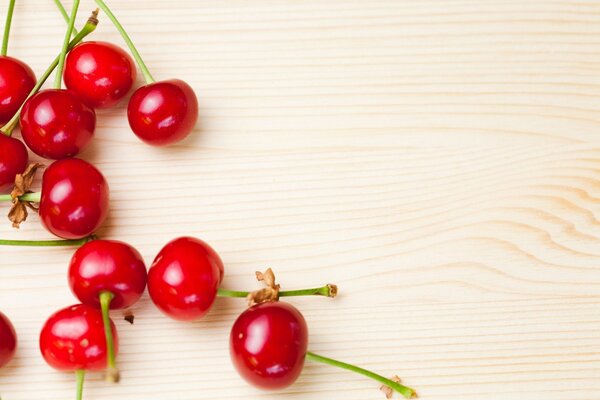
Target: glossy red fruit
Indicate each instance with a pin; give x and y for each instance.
(16, 81)
(100, 73)
(8, 340)
(164, 112)
(73, 338)
(184, 278)
(74, 200)
(13, 161)
(107, 265)
(56, 124)
(268, 345)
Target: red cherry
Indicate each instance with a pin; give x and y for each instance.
(13, 161)
(268, 345)
(56, 124)
(164, 112)
(100, 73)
(184, 278)
(74, 200)
(73, 339)
(107, 266)
(16, 81)
(8, 340)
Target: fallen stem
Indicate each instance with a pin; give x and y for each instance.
(405, 391)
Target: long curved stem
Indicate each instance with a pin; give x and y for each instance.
(403, 390)
(64, 14)
(112, 372)
(327, 291)
(9, 14)
(47, 243)
(80, 374)
(65, 47)
(136, 55)
(88, 28)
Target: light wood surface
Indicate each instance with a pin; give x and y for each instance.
(438, 160)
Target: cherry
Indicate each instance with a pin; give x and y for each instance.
(13, 161)
(159, 113)
(73, 338)
(74, 198)
(100, 73)
(268, 347)
(8, 340)
(16, 78)
(107, 266)
(184, 278)
(16, 81)
(56, 124)
(163, 113)
(107, 274)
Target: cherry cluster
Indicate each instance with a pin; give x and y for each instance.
(268, 341)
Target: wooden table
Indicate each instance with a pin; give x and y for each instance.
(438, 160)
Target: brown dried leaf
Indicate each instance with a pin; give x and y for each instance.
(23, 181)
(388, 391)
(17, 213)
(270, 293)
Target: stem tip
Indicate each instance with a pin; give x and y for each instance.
(113, 375)
(333, 290)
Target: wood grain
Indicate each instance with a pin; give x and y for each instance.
(438, 160)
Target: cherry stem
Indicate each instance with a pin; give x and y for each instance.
(65, 47)
(403, 390)
(80, 374)
(328, 290)
(31, 197)
(48, 243)
(112, 372)
(63, 12)
(9, 14)
(88, 28)
(136, 55)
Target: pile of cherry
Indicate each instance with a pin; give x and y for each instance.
(268, 341)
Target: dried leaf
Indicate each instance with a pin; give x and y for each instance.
(17, 213)
(23, 181)
(270, 293)
(388, 391)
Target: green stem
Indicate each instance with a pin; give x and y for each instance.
(65, 47)
(64, 14)
(88, 28)
(112, 372)
(47, 243)
(31, 197)
(80, 374)
(403, 390)
(327, 291)
(9, 14)
(138, 59)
